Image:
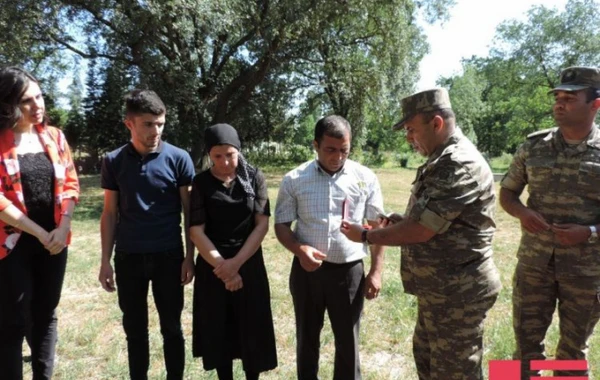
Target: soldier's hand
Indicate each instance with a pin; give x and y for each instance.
(311, 258)
(570, 234)
(533, 222)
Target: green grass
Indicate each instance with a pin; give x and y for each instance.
(92, 343)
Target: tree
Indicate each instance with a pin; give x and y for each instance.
(509, 97)
(238, 61)
(104, 108)
(364, 59)
(75, 127)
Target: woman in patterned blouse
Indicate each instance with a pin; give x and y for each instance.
(38, 191)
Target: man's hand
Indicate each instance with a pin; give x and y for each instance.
(227, 269)
(352, 231)
(570, 234)
(395, 218)
(187, 270)
(372, 285)
(310, 258)
(107, 278)
(235, 283)
(532, 221)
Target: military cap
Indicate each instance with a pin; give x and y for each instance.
(578, 78)
(425, 101)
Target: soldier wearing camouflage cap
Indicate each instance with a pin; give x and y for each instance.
(559, 253)
(446, 238)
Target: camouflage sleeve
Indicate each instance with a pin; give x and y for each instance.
(448, 189)
(516, 177)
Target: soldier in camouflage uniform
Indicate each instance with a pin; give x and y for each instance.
(559, 255)
(446, 238)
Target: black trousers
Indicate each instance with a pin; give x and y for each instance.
(134, 272)
(31, 281)
(337, 288)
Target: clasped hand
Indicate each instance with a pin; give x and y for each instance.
(567, 234)
(227, 271)
(56, 240)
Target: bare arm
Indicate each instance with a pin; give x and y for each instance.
(58, 236)
(205, 247)
(187, 268)
(310, 258)
(373, 282)
(404, 232)
(13, 216)
(209, 253)
(230, 267)
(184, 192)
(108, 224)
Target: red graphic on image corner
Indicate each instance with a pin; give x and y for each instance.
(511, 369)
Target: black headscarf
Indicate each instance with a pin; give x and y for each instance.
(225, 134)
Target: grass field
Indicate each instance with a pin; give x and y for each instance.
(92, 343)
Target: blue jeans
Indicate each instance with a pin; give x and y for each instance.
(134, 271)
(31, 281)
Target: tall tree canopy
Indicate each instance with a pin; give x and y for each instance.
(244, 62)
(504, 96)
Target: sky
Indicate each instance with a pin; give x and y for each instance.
(469, 31)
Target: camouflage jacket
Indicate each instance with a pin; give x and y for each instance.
(453, 195)
(564, 186)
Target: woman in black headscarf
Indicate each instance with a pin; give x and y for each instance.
(229, 219)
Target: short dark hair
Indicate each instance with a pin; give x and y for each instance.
(14, 81)
(333, 126)
(447, 114)
(144, 101)
(592, 94)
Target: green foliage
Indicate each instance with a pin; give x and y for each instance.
(57, 117)
(23, 42)
(501, 163)
(275, 154)
(504, 97)
(242, 62)
(365, 58)
(104, 128)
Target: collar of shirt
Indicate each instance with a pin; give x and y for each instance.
(591, 140)
(131, 150)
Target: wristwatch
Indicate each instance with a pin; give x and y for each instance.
(363, 236)
(594, 235)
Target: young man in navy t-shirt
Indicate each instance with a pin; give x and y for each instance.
(146, 186)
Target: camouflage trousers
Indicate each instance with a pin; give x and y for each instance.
(448, 337)
(535, 295)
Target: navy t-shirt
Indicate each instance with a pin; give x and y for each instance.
(149, 200)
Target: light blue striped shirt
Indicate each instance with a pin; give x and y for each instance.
(313, 198)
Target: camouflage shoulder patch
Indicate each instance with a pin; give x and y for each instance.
(445, 174)
(542, 133)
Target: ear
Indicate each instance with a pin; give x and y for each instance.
(128, 123)
(596, 104)
(315, 145)
(438, 123)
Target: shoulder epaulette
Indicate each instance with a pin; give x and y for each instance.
(542, 133)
